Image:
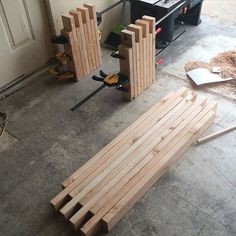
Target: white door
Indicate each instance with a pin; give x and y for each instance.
(24, 38)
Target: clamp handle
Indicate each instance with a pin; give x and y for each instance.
(116, 55)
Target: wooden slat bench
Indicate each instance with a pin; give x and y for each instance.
(98, 194)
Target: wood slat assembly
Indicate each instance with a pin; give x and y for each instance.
(137, 53)
(81, 30)
(100, 192)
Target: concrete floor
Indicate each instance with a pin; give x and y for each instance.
(216, 9)
(45, 143)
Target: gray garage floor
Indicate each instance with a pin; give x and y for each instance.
(45, 143)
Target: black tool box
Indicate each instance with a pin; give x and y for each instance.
(189, 12)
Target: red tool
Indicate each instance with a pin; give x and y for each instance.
(158, 30)
(159, 61)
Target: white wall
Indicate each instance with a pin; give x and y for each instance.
(59, 7)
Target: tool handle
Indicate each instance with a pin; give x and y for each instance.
(159, 61)
(158, 30)
(211, 136)
(103, 74)
(116, 55)
(96, 78)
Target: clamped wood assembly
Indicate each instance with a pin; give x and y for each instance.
(60, 71)
(108, 80)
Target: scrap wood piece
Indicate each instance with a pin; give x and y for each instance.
(216, 134)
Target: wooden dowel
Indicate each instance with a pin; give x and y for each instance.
(217, 134)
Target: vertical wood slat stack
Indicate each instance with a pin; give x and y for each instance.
(81, 30)
(98, 194)
(137, 52)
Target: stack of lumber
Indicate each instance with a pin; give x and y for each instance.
(81, 30)
(137, 52)
(98, 194)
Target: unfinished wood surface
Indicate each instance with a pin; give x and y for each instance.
(126, 68)
(102, 191)
(69, 32)
(88, 36)
(131, 179)
(152, 40)
(143, 51)
(84, 47)
(95, 34)
(81, 41)
(139, 56)
(145, 75)
(181, 144)
(124, 163)
(79, 176)
(130, 139)
(128, 39)
(117, 156)
(69, 51)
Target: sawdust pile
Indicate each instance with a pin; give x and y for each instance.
(227, 62)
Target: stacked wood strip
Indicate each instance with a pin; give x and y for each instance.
(138, 41)
(81, 30)
(98, 194)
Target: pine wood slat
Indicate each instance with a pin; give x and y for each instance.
(81, 40)
(152, 45)
(126, 68)
(128, 39)
(95, 33)
(145, 27)
(69, 32)
(138, 55)
(88, 36)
